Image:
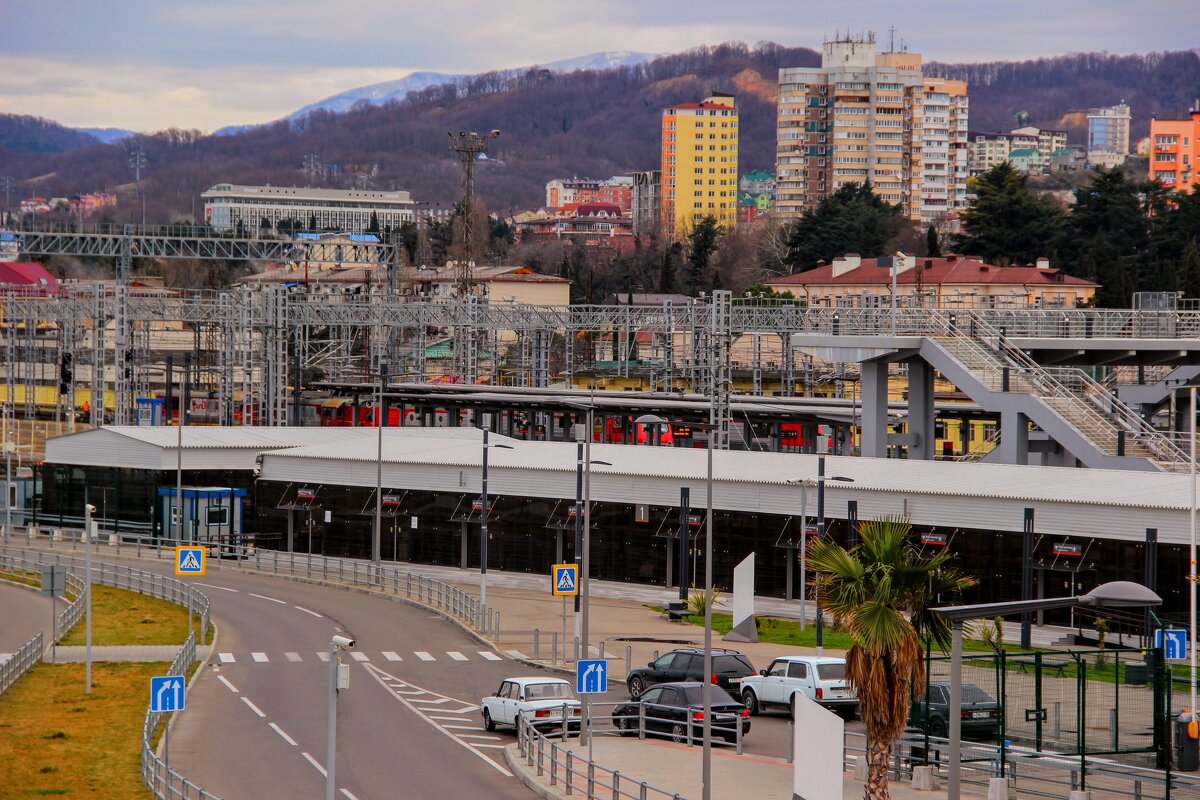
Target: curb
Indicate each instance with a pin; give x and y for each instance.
(528, 775)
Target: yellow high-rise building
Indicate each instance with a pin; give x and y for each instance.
(699, 164)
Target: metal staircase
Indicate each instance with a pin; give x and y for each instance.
(1111, 427)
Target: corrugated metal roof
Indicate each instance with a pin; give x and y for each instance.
(911, 477)
(253, 438)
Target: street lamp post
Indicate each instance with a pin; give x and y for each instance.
(804, 484)
(88, 510)
(583, 523)
(1115, 594)
(706, 690)
(821, 536)
(377, 531)
(483, 519)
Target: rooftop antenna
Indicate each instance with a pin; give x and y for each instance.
(892, 39)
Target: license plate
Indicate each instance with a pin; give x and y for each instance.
(736, 680)
(980, 714)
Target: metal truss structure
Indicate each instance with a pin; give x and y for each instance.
(248, 346)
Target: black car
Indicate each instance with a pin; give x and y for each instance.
(687, 664)
(670, 707)
(980, 714)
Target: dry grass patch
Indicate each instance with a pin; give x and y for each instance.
(120, 617)
(55, 740)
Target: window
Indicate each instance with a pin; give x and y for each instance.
(778, 669)
(682, 661)
(216, 515)
(798, 669)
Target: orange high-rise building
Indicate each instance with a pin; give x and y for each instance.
(1175, 150)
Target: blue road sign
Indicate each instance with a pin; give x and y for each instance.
(166, 693)
(1175, 648)
(566, 579)
(189, 560)
(591, 676)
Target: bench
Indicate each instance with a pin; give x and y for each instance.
(1026, 663)
(676, 610)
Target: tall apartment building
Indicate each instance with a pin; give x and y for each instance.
(617, 190)
(227, 205)
(699, 164)
(646, 206)
(1108, 129)
(989, 149)
(1175, 151)
(866, 116)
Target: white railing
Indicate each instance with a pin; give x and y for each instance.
(20, 662)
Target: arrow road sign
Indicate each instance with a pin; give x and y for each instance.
(166, 693)
(1173, 641)
(566, 579)
(591, 676)
(189, 561)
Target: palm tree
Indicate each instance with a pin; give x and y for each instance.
(881, 592)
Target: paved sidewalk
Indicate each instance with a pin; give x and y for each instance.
(675, 768)
(146, 652)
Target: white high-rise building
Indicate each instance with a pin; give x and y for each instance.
(227, 205)
(865, 116)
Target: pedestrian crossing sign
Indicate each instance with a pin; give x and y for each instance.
(189, 560)
(566, 580)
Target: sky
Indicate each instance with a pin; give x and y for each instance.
(147, 66)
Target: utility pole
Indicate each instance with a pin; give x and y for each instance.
(7, 182)
(137, 160)
(469, 147)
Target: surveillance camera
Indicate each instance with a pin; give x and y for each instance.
(344, 642)
(91, 509)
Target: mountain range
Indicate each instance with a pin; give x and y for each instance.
(556, 123)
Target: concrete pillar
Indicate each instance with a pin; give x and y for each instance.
(1014, 438)
(920, 410)
(874, 409)
(291, 526)
(964, 433)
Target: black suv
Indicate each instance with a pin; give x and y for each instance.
(687, 664)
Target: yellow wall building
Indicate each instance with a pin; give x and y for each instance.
(699, 164)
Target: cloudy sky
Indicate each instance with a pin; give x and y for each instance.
(147, 65)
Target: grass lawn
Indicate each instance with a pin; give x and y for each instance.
(21, 576)
(55, 740)
(121, 617)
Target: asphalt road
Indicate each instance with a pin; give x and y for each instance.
(23, 612)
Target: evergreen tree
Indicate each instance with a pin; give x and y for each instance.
(409, 239)
(933, 248)
(1007, 224)
(312, 221)
(666, 275)
(373, 225)
(702, 243)
(1189, 274)
(851, 220)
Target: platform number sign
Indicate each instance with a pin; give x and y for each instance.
(1174, 642)
(566, 580)
(189, 561)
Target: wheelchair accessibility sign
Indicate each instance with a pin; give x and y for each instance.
(566, 580)
(189, 561)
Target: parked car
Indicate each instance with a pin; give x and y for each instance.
(820, 679)
(980, 713)
(669, 708)
(539, 700)
(687, 664)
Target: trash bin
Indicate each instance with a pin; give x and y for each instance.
(1136, 673)
(1187, 746)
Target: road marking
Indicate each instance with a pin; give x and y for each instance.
(479, 736)
(382, 677)
(212, 586)
(358, 655)
(481, 744)
(461, 727)
(5, 657)
(457, 656)
(421, 654)
(392, 655)
(225, 681)
(446, 719)
(260, 657)
(434, 702)
(490, 656)
(292, 656)
(349, 796)
(306, 611)
(253, 707)
(286, 738)
(321, 654)
(272, 599)
(313, 761)
(226, 658)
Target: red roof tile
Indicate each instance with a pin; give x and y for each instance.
(933, 271)
(26, 276)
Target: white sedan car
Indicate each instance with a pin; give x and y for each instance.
(541, 701)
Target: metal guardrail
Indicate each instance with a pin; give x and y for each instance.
(20, 662)
(163, 782)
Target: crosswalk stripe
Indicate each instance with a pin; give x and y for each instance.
(481, 744)
(392, 655)
(259, 657)
(432, 701)
(489, 655)
(421, 654)
(226, 658)
(477, 736)
(321, 654)
(358, 656)
(292, 656)
(457, 656)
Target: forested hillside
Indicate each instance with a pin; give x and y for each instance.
(25, 134)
